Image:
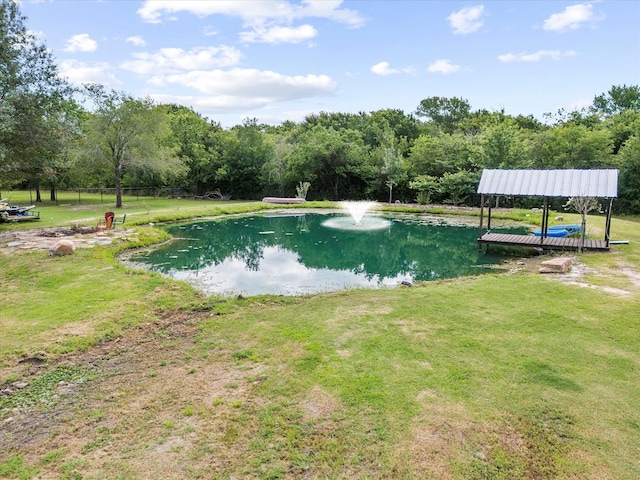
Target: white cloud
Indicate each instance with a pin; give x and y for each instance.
(251, 11)
(467, 20)
(277, 35)
(572, 18)
(81, 43)
(237, 90)
(383, 69)
(80, 73)
(173, 60)
(209, 31)
(269, 22)
(443, 66)
(536, 56)
(253, 86)
(211, 104)
(136, 40)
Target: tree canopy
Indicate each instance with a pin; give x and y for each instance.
(434, 154)
(36, 111)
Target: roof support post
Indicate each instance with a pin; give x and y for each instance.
(607, 230)
(481, 221)
(489, 214)
(545, 220)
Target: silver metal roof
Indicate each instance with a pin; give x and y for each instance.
(550, 183)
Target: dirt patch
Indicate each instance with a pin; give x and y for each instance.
(45, 238)
(153, 395)
(319, 403)
(577, 273)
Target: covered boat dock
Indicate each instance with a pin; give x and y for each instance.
(547, 184)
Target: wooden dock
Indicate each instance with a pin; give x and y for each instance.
(544, 243)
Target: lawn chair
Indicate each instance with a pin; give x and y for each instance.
(118, 222)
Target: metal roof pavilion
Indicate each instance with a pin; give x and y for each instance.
(550, 183)
(597, 183)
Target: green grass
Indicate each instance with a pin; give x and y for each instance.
(521, 367)
(493, 377)
(43, 295)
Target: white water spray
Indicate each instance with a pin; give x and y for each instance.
(357, 209)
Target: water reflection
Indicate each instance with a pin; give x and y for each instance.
(292, 255)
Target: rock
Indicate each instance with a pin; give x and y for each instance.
(20, 385)
(556, 265)
(62, 247)
(7, 391)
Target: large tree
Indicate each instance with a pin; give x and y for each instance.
(126, 133)
(246, 151)
(198, 143)
(618, 99)
(630, 175)
(34, 103)
(445, 113)
(572, 146)
(332, 160)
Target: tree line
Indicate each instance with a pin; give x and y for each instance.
(54, 136)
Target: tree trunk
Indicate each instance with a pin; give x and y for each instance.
(390, 192)
(583, 232)
(38, 196)
(52, 196)
(118, 186)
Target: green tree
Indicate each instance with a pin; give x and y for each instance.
(393, 168)
(125, 133)
(436, 155)
(426, 186)
(198, 144)
(377, 125)
(34, 100)
(276, 171)
(330, 159)
(629, 181)
(572, 146)
(618, 99)
(622, 126)
(245, 152)
(502, 146)
(583, 205)
(456, 187)
(445, 113)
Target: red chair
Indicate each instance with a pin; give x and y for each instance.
(108, 221)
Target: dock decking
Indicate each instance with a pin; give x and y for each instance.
(546, 243)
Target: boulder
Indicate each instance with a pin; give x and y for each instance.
(62, 247)
(556, 265)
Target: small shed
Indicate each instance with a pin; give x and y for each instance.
(598, 183)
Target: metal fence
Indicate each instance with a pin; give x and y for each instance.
(106, 195)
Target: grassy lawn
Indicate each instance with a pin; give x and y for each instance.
(131, 375)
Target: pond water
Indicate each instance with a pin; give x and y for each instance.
(295, 254)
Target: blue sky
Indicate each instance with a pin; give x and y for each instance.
(278, 60)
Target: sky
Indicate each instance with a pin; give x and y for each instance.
(279, 60)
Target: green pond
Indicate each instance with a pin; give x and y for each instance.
(296, 254)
